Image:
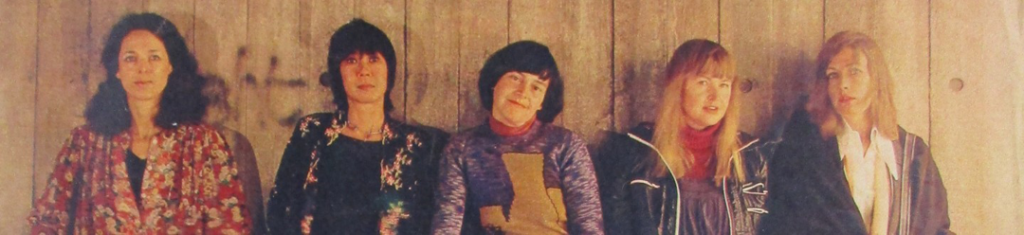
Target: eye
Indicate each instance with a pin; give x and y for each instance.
(725, 85)
(536, 88)
(832, 75)
(702, 82)
(155, 58)
(130, 58)
(374, 58)
(350, 60)
(854, 71)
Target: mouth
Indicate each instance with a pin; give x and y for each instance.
(143, 83)
(845, 99)
(511, 101)
(366, 87)
(711, 108)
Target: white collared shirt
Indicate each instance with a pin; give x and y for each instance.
(860, 168)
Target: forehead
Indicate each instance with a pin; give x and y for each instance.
(846, 57)
(141, 40)
(357, 53)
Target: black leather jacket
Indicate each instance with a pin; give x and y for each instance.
(637, 203)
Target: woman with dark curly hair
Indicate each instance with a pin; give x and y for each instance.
(356, 170)
(144, 162)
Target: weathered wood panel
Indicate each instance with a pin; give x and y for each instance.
(273, 89)
(17, 111)
(774, 44)
(976, 111)
(479, 37)
(221, 32)
(901, 30)
(578, 33)
(63, 74)
(646, 34)
(432, 84)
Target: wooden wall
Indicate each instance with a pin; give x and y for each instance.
(959, 68)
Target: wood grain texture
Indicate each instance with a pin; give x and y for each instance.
(774, 44)
(646, 34)
(181, 12)
(901, 29)
(976, 132)
(578, 33)
(432, 84)
(272, 94)
(479, 37)
(63, 76)
(220, 33)
(17, 111)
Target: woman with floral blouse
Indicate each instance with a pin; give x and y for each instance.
(144, 163)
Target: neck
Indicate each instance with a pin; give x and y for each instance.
(366, 116)
(504, 129)
(143, 115)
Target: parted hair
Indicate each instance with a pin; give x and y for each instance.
(182, 101)
(692, 59)
(882, 110)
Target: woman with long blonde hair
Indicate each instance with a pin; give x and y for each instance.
(844, 165)
(692, 169)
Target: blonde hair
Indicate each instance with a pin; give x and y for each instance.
(693, 58)
(882, 110)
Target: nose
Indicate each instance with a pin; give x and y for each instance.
(844, 82)
(522, 87)
(145, 66)
(713, 93)
(363, 68)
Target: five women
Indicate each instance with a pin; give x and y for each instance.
(145, 162)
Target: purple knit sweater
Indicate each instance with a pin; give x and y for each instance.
(482, 178)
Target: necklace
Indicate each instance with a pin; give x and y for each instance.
(368, 134)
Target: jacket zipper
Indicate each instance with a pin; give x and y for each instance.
(670, 173)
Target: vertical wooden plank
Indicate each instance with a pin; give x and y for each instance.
(976, 72)
(479, 37)
(433, 64)
(181, 12)
(901, 30)
(63, 73)
(646, 34)
(578, 33)
(275, 81)
(220, 30)
(774, 44)
(325, 16)
(17, 111)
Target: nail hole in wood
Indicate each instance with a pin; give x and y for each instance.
(956, 84)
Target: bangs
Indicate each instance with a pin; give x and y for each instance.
(718, 65)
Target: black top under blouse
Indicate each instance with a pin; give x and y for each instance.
(136, 170)
(348, 201)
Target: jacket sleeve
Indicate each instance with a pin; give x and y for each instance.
(930, 214)
(284, 209)
(51, 214)
(613, 163)
(450, 196)
(225, 205)
(582, 197)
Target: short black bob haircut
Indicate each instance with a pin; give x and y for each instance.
(529, 57)
(357, 36)
(182, 101)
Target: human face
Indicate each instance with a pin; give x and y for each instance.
(365, 78)
(517, 98)
(705, 99)
(143, 66)
(849, 84)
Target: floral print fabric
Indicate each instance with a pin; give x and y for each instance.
(190, 186)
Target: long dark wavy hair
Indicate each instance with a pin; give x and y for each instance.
(182, 101)
(357, 36)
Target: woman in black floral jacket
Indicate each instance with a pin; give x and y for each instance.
(357, 171)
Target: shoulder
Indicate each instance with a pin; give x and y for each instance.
(559, 134)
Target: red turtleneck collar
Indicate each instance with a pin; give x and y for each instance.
(700, 144)
(505, 130)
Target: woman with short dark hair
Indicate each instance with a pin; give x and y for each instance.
(356, 170)
(518, 173)
(144, 162)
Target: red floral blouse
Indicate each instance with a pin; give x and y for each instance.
(190, 186)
